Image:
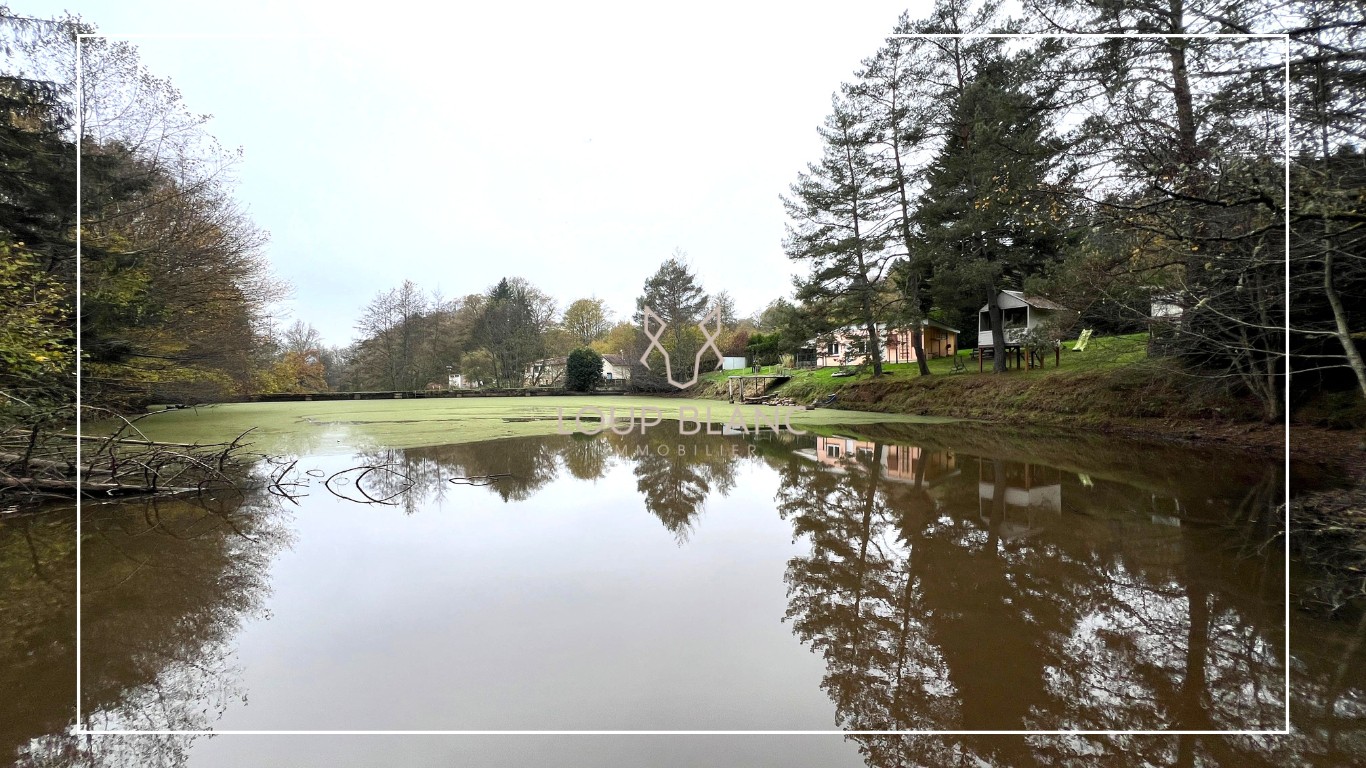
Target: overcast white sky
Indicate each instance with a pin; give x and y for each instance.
(576, 145)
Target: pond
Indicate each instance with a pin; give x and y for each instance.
(867, 578)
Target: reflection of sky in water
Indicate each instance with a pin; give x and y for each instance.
(567, 609)
(607, 584)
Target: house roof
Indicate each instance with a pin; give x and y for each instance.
(926, 323)
(857, 330)
(1038, 302)
(557, 362)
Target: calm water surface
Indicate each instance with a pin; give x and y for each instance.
(937, 579)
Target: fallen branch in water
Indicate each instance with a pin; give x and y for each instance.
(479, 480)
(69, 487)
(287, 482)
(37, 464)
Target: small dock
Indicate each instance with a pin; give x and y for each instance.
(762, 383)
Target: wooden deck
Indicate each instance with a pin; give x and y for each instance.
(762, 383)
(1016, 351)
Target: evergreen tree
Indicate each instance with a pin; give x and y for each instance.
(1185, 139)
(677, 299)
(583, 371)
(886, 84)
(674, 294)
(838, 211)
(991, 216)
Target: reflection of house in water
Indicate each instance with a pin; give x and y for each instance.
(900, 463)
(1026, 491)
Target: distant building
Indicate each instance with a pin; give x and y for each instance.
(616, 368)
(458, 381)
(550, 372)
(849, 345)
(547, 372)
(1166, 309)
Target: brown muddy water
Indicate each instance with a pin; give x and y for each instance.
(932, 579)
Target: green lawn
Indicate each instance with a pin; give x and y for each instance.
(343, 425)
(1101, 353)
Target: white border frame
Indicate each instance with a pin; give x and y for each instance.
(79, 731)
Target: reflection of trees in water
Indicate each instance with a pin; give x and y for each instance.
(957, 605)
(587, 457)
(675, 474)
(857, 597)
(165, 586)
(421, 475)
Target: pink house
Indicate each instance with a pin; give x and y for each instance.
(848, 345)
(899, 462)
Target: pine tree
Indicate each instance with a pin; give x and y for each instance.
(990, 215)
(676, 298)
(891, 86)
(838, 213)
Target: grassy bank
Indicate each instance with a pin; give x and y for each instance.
(1112, 385)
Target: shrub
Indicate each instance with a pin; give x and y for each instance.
(583, 371)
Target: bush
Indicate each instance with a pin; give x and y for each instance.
(583, 371)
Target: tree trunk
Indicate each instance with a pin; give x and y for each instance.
(869, 504)
(874, 348)
(918, 344)
(911, 291)
(998, 333)
(1342, 332)
(998, 506)
(1181, 88)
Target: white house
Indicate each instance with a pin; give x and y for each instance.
(1019, 315)
(615, 368)
(458, 381)
(1166, 309)
(1029, 491)
(550, 372)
